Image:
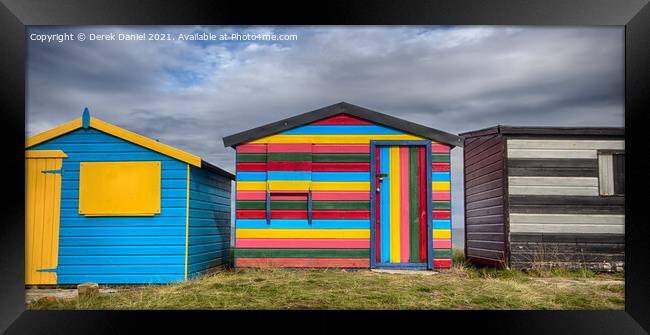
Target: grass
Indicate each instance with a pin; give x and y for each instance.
(463, 287)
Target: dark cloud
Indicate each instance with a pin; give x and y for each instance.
(191, 94)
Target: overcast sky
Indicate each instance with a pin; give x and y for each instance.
(190, 94)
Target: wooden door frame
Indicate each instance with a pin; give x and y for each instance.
(373, 170)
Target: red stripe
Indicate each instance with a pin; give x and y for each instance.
(440, 214)
(302, 197)
(342, 119)
(251, 149)
(251, 214)
(289, 147)
(329, 214)
(341, 148)
(440, 167)
(305, 262)
(251, 167)
(251, 195)
(292, 243)
(422, 203)
(440, 263)
(439, 148)
(377, 206)
(342, 167)
(440, 195)
(288, 214)
(289, 166)
(441, 244)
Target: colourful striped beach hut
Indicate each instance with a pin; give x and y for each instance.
(343, 186)
(109, 206)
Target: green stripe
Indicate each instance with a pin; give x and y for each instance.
(441, 253)
(251, 158)
(342, 205)
(289, 156)
(441, 204)
(300, 253)
(413, 206)
(335, 158)
(289, 204)
(440, 158)
(251, 204)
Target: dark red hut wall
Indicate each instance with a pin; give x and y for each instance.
(485, 237)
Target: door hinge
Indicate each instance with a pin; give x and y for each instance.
(48, 270)
(60, 171)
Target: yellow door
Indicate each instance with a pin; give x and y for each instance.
(42, 205)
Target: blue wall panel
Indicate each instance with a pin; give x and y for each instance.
(209, 222)
(119, 250)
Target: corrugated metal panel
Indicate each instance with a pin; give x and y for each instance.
(42, 203)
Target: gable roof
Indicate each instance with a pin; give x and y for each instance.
(342, 108)
(551, 131)
(86, 121)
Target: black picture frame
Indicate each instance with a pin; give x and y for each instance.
(633, 14)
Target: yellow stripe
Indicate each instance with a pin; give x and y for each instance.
(440, 185)
(45, 154)
(251, 186)
(187, 219)
(394, 205)
(289, 185)
(54, 132)
(302, 233)
(441, 233)
(340, 186)
(351, 139)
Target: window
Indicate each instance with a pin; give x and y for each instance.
(611, 172)
(119, 188)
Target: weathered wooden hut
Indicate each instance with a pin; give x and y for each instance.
(110, 206)
(343, 186)
(545, 196)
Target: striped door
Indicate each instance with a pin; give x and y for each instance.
(42, 213)
(401, 205)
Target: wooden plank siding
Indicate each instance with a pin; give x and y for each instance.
(484, 200)
(329, 160)
(557, 215)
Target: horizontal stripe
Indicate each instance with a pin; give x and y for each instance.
(289, 185)
(341, 130)
(302, 233)
(341, 119)
(441, 233)
(305, 262)
(315, 243)
(343, 195)
(442, 263)
(251, 148)
(341, 204)
(439, 148)
(442, 253)
(439, 166)
(333, 214)
(340, 186)
(539, 153)
(439, 214)
(302, 214)
(289, 196)
(289, 175)
(440, 158)
(441, 224)
(303, 224)
(301, 253)
(553, 190)
(340, 158)
(442, 243)
(340, 167)
(251, 158)
(440, 176)
(440, 185)
(568, 228)
(304, 185)
(258, 167)
(440, 195)
(566, 144)
(516, 218)
(289, 156)
(251, 176)
(289, 147)
(340, 176)
(340, 148)
(251, 185)
(289, 166)
(328, 139)
(553, 181)
(439, 204)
